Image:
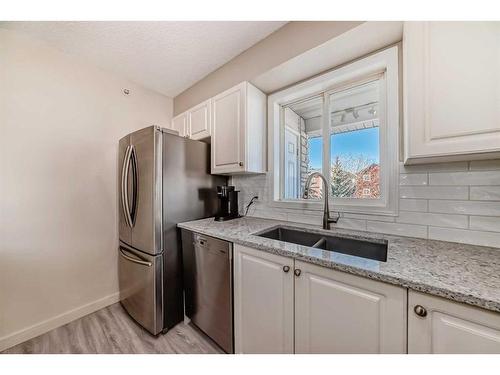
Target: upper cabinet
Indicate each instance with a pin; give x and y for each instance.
(194, 123)
(235, 122)
(198, 119)
(239, 130)
(451, 91)
(179, 123)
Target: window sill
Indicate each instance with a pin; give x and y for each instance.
(376, 208)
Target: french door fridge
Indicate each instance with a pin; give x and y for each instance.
(164, 179)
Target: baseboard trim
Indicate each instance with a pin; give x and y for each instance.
(38, 329)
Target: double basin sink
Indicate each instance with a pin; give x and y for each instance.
(361, 248)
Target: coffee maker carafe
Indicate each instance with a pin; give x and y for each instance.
(228, 203)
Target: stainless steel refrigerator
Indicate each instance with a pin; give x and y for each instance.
(164, 179)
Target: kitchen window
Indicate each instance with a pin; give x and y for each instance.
(343, 124)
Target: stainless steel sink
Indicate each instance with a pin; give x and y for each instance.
(376, 250)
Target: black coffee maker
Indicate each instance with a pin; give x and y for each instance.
(228, 203)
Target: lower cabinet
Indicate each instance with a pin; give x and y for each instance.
(437, 325)
(332, 312)
(283, 305)
(336, 312)
(263, 302)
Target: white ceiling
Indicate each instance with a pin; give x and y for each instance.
(165, 56)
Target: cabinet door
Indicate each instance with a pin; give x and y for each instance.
(336, 312)
(451, 91)
(199, 121)
(179, 123)
(448, 327)
(228, 130)
(263, 302)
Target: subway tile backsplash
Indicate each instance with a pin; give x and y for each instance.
(465, 178)
(485, 193)
(458, 202)
(465, 207)
(434, 192)
(413, 179)
(438, 220)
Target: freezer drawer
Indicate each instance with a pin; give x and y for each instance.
(141, 287)
(208, 286)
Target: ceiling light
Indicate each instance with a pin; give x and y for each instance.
(372, 111)
(355, 113)
(342, 118)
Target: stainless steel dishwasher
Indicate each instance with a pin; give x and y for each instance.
(208, 286)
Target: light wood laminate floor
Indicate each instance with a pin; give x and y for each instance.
(112, 330)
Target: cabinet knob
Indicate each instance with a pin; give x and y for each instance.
(297, 272)
(241, 164)
(420, 311)
(286, 269)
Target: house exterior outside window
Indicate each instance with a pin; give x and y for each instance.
(368, 187)
(343, 124)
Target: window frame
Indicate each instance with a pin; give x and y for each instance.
(385, 66)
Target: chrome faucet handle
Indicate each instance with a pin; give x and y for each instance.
(334, 219)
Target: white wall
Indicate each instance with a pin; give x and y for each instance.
(60, 121)
(284, 44)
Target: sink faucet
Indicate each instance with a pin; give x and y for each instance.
(326, 210)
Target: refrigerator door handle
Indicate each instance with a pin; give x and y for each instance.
(125, 169)
(135, 186)
(141, 262)
(123, 185)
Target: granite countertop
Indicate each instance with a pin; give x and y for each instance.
(463, 273)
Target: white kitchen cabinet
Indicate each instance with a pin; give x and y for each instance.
(451, 89)
(180, 124)
(336, 312)
(198, 120)
(332, 312)
(239, 130)
(448, 327)
(263, 302)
